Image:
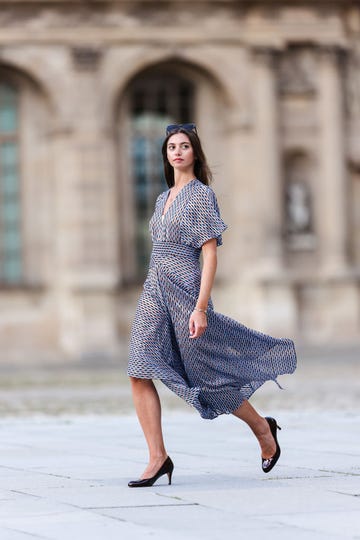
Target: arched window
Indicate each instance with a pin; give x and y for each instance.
(156, 99)
(11, 271)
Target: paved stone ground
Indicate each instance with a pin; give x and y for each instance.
(70, 442)
(66, 478)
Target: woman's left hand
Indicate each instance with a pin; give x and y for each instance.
(197, 324)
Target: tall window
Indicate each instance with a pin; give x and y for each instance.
(10, 218)
(156, 100)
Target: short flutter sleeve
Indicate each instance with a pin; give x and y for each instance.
(201, 220)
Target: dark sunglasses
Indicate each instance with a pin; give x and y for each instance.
(175, 127)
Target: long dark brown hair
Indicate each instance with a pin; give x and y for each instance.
(201, 168)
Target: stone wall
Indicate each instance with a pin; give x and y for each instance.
(278, 108)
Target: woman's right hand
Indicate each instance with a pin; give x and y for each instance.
(197, 324)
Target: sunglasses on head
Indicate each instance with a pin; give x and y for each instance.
(175, 127)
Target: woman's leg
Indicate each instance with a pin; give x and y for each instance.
(148, 409)
(259, 426)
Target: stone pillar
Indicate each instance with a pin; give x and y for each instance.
(66, 240)
(332, 204)
(86, 222)
(268, 159)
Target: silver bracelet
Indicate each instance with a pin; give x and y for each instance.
(201, 310)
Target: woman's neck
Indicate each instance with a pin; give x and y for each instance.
(181, 180)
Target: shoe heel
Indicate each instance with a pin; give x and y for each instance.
(169, 477)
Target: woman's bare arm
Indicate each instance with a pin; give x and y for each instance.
(198, 320)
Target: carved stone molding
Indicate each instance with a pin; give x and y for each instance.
(266, 55)
(86, 58)
(297, 71)
(333, 53)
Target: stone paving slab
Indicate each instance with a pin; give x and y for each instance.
(66, 478)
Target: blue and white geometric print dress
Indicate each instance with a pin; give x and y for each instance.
(218, 370)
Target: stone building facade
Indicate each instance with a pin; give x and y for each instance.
(86, 89)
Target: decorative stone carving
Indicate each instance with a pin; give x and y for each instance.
(298, 203)
(86, 58)
(266, 55)
(298, 214)
(297, 71)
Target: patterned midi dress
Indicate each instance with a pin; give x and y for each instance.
(217, 371)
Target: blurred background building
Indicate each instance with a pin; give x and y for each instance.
(86, 90)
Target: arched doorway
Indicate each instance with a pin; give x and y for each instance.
(169, 92)
(154, 99)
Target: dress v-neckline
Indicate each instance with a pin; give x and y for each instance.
(163, 214)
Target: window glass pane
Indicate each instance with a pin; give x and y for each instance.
(11, 241)
(11, 271)
(8, 169)
(9, 186)
(8, 156)
(10, 209)
(8, 109)
(10, 213)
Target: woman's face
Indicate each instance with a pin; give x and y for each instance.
(180, 153)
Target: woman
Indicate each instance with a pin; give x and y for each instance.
(211, 361)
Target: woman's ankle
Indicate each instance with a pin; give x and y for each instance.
(260, 427)
(158, 456)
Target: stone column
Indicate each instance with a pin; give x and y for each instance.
(66, 240)
(268, 159)
(275, 310)
(332, 204)
(86, 221)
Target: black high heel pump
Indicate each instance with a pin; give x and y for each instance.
(166, 468)
(268, 464)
